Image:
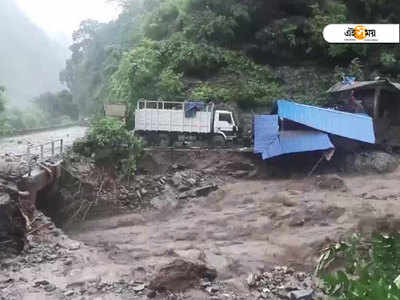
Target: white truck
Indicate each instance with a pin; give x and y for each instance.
(166, 123)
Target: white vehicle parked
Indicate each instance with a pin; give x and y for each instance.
(164, 122)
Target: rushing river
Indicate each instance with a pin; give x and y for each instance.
(19, 144)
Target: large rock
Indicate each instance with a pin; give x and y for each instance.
(12, 226)
(13, 168)
(302, 295)
(374, 161)
(198, 192)
(330, 182)
(180, 275)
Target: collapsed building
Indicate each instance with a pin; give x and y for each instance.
(361, 113)
(380, 100)
(304, 128)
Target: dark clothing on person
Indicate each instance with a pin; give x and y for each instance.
(355, 106)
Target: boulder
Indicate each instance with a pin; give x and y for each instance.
(283, 198)
(181, 275)
(198, 192)
(330, 182)
(238, 166)
(176, 180)
(12, 226)
(371, 162)
(302, 295)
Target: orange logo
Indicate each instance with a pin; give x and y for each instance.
(360, 32)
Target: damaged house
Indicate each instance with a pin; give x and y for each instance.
(361, 110)
(380, 100)
(303, 128)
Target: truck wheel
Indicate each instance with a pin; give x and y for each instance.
(164, 140)
(218, 140)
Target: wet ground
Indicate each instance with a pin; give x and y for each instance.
(246, 226)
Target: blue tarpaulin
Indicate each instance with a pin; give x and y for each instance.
(269, 142)
(192, 107)
(349, 80)
(353, 126)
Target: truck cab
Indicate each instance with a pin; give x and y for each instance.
(224, 124)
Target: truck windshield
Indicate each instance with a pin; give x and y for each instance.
(226, 118)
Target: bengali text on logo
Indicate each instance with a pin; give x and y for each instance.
(365, 33)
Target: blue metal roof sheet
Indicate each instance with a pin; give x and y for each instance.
(269, 142)
(294, 141)
(266, 131)
(348, 125)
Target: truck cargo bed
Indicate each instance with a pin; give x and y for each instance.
(170, 117)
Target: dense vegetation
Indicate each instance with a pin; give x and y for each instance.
(29, 65)
(58, 106)
(109, 143)
(46, 110)
(247, 52)
(370, 271)
(221, 50)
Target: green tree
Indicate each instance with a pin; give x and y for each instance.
(219, 50)
(58, 104)
(138, 73)
(109, 142)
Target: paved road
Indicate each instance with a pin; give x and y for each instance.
(19, 144)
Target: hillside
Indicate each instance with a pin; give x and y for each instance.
(249, 52)
(30, 61)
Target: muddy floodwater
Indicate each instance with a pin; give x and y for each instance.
(19, 144)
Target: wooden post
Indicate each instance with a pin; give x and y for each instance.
(41, 151)
(61, 146)
(376, 102)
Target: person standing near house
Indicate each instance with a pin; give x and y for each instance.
(354, 105)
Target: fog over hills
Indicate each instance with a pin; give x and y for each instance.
(30, 61)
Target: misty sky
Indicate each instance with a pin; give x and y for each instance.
(64, 16)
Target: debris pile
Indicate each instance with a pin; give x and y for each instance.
(282, 283)
(14, 166)
(12, 226)
(371, 162)
(158, 190)
(181, 275)
(91, 190)
(44, 242)
(180, 184)
(129, 289)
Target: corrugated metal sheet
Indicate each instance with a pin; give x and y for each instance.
(294, 141)
(266, 132)
(348, 125)
(269, 142)
(341, 87)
